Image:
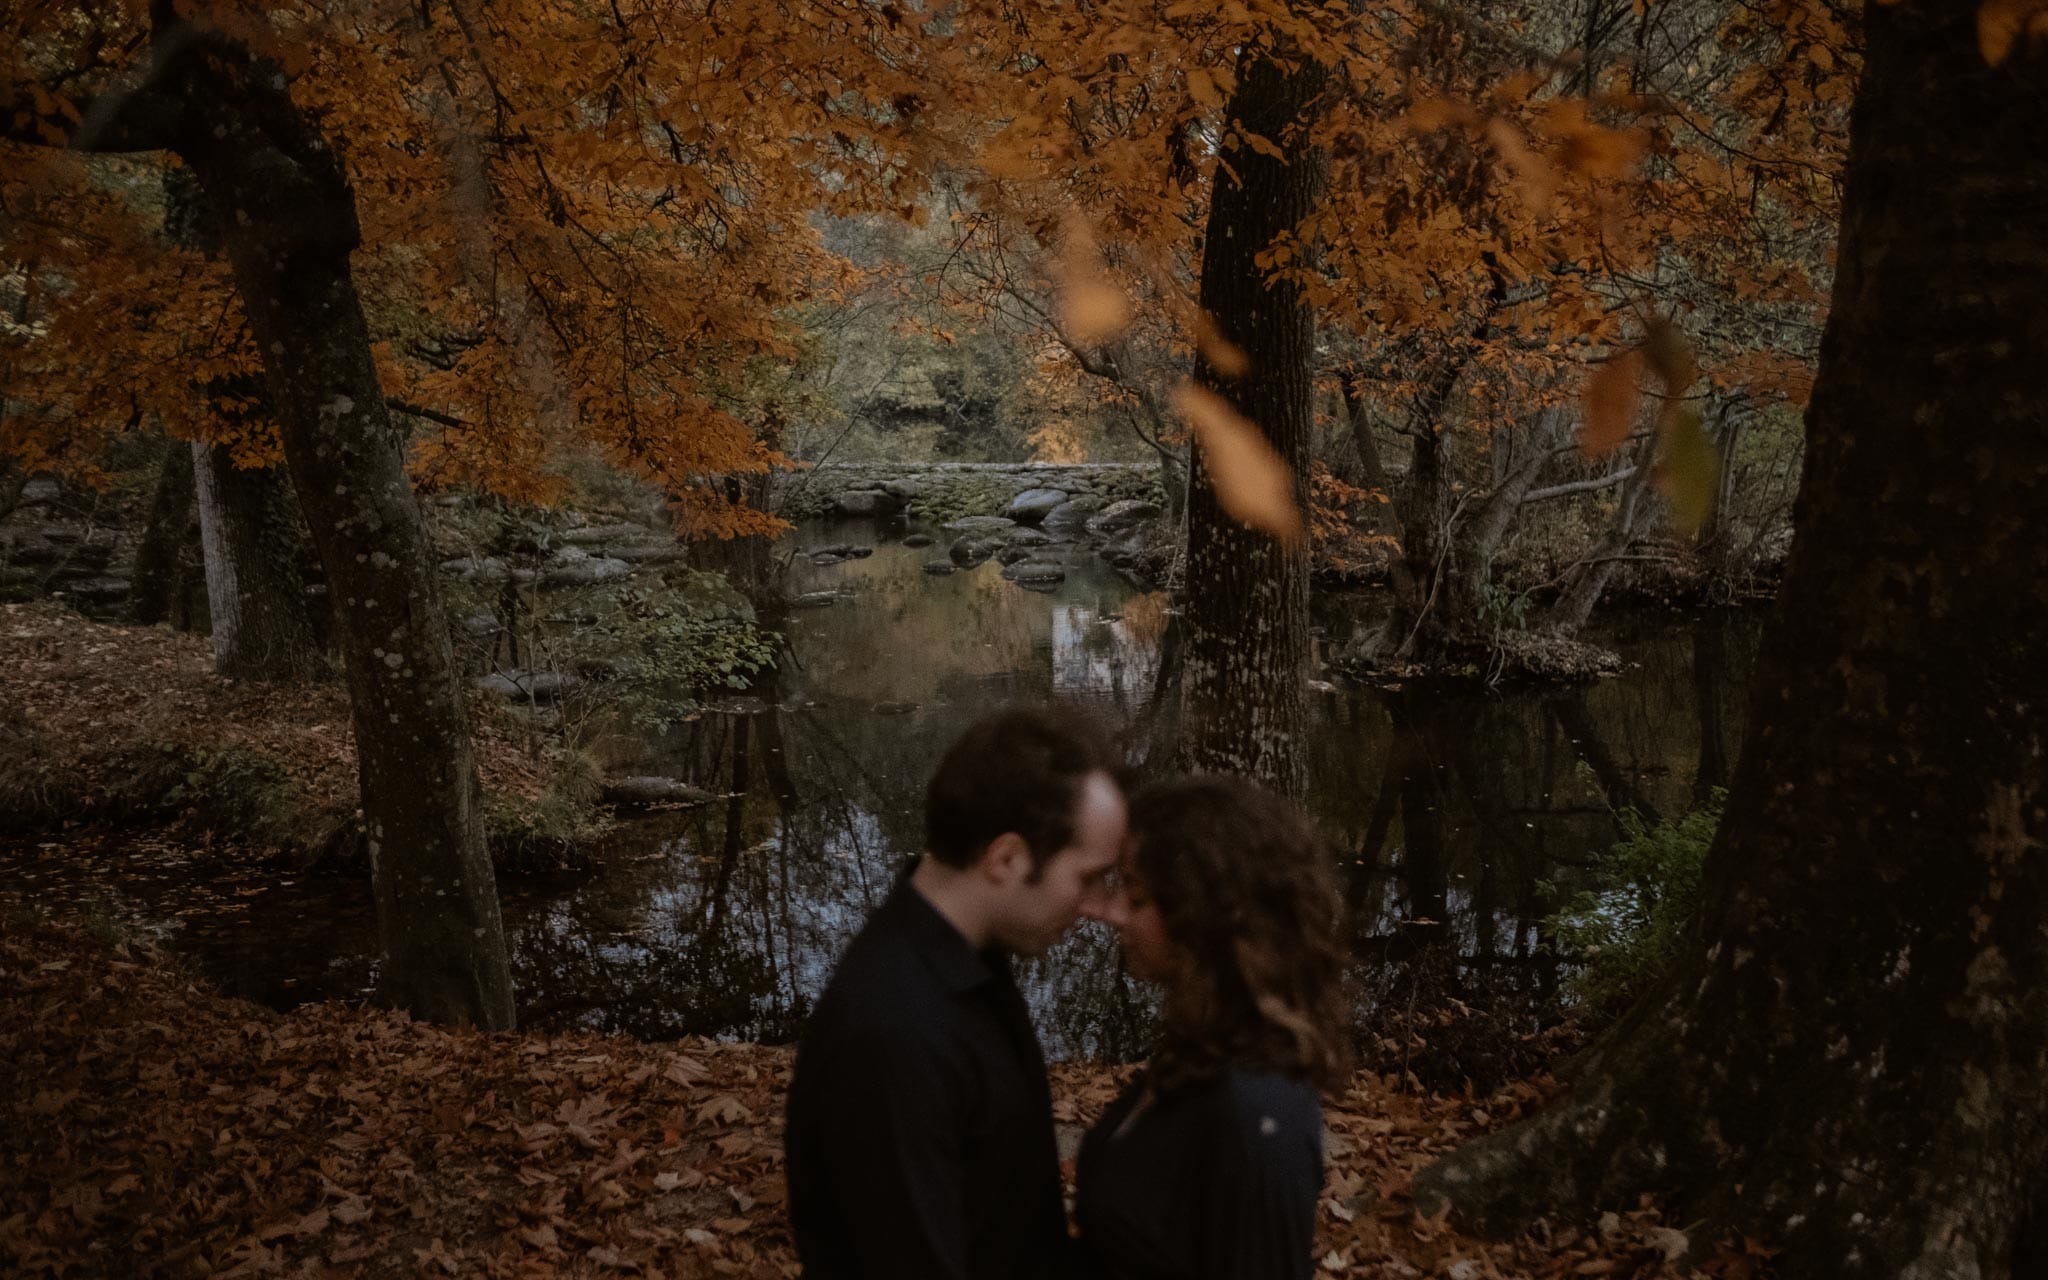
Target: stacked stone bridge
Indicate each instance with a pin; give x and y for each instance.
(948, 490)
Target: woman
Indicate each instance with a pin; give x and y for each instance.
(1209, 1165)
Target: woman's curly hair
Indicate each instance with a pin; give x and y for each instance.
(1248, 897)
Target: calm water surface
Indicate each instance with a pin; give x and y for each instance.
(1453, 813)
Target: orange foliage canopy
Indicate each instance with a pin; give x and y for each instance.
(578, 221)
(595, 222)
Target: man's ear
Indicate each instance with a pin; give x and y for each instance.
(1007, 860)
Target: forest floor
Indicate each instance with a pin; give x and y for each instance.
(154, 1128)
(104, 724)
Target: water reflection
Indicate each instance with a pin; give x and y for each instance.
(1451, 810)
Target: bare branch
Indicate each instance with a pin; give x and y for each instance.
(1594, 485)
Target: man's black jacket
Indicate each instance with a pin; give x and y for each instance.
(920, 1140)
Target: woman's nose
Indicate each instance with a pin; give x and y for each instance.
(1109, 908)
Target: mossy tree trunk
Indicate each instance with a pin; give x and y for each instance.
(276, 189)
(1243, 697)
(1849, 1064)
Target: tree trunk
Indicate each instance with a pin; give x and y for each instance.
(1848, 1065)
(157, 579)
(287, 213)
(255, 598)
(1588, 579)
(1478, 540)
(1243, 700)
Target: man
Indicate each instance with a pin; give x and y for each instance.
(920, 1140)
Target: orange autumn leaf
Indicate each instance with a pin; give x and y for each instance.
(1091, 308)
(1611, 395)
(1223, 355)
(2000, 23)
(1252, 483)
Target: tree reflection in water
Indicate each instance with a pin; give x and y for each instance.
(1450, 811)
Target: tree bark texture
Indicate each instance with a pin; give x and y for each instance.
(1243, 698)
(255, 596)
(1849, 1065)
(287, 214)
(157, 580)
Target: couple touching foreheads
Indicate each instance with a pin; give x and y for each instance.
(920, 1136)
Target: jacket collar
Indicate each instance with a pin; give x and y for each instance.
(958, 966)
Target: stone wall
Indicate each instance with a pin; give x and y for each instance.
(941, 491)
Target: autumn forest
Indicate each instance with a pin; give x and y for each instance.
(504, 504)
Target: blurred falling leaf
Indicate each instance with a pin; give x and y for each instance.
(1535, 181)
(1688, 467)
(1091, 308)
(1611, 395)
(2000, 23)
(1223, 355)
(1670, 357)
(1252, 483)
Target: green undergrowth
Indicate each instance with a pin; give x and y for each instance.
(242, 798)
(231, 792)
(1627, 927)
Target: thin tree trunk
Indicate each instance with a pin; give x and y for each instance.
(157, 578)
(256, 599)
(1243, 702)
(1847, 1065)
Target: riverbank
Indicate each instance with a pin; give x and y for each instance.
(111, 726)
(158, 1129)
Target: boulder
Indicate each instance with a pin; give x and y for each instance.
(1024, 536)
(838, 551)
(918, 540)
(1015, 555)
(41, 492)
(867, 502)
(478, 568)
(647, 553)
(903, 490)
(979, 524)
(1036, 573)
(34, 553)
(1073, 513)
(596, 535)
(583, 570)
(969, 551)
(1033, 505)
(648, 789)
(102, 590)
(529, 686)
(1121, 515)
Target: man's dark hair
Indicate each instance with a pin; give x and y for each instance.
(1018, 770)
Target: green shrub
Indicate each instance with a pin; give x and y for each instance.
(1627, 926)
(663, 647)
